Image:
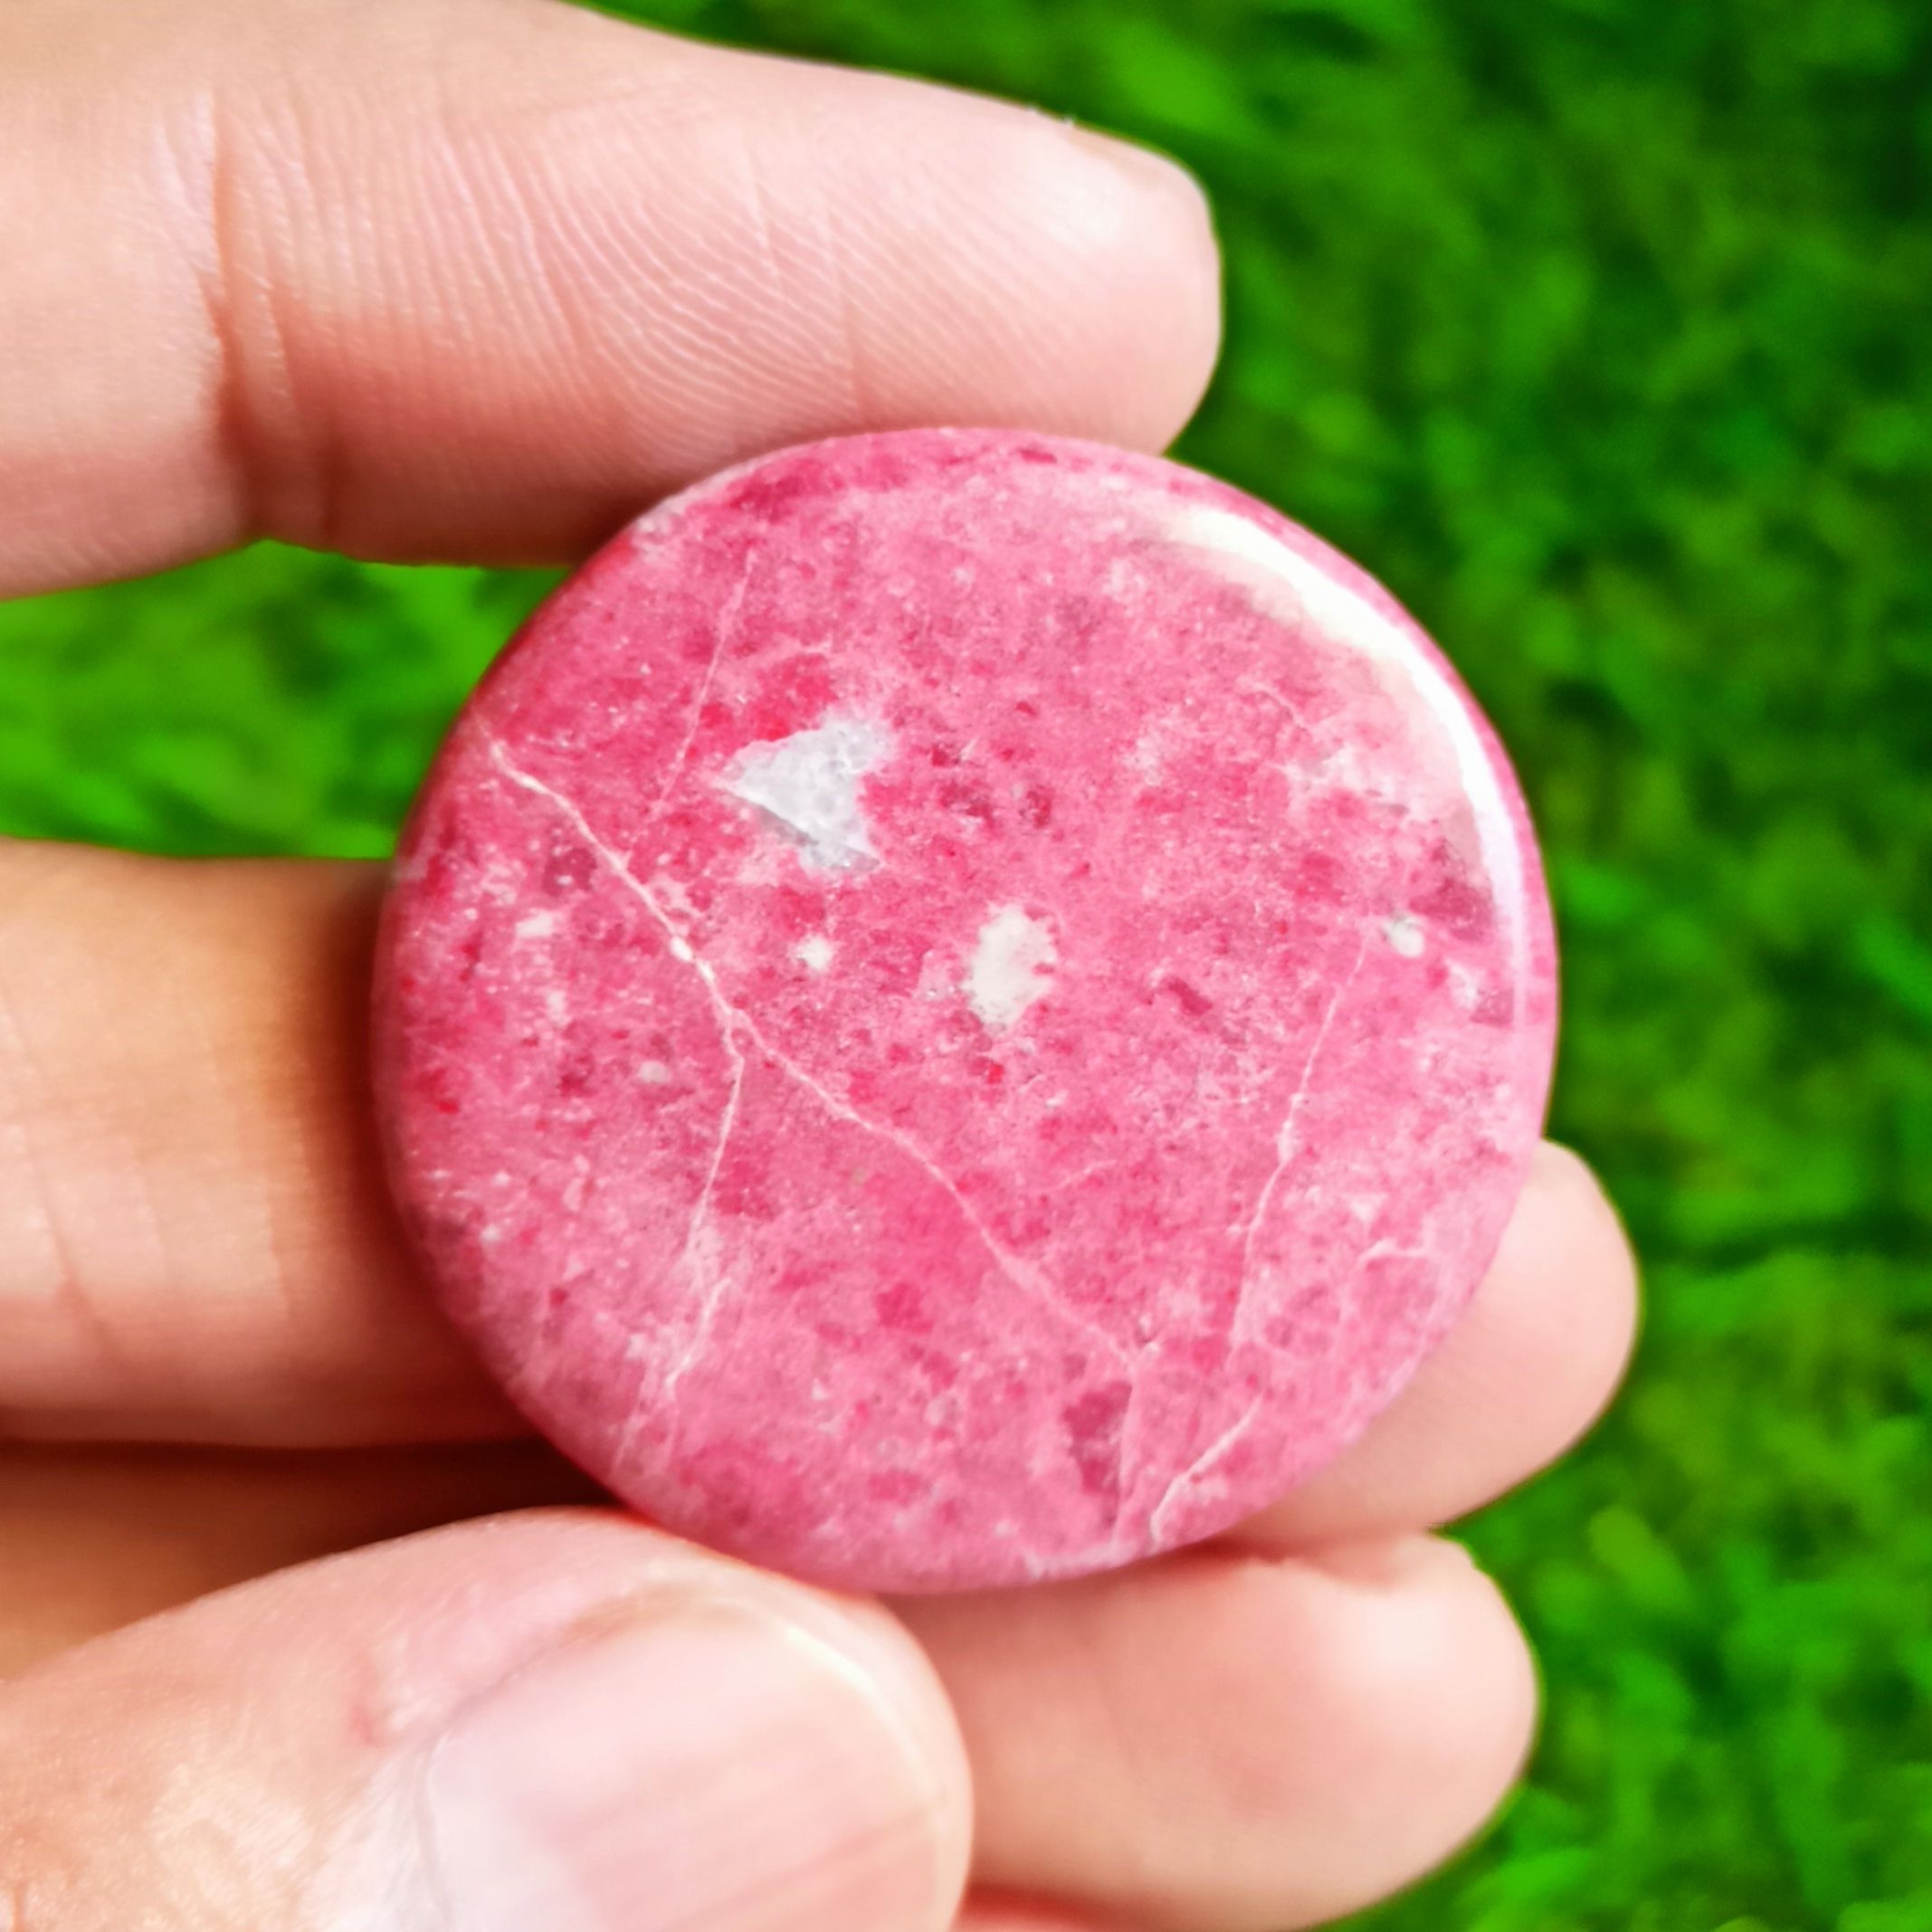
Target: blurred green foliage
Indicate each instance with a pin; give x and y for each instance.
(1599, 329)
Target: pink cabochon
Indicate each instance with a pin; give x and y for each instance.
(961, 1007)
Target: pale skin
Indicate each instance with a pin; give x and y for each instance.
(478, 279)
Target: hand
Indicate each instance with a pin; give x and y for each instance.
(478, 279)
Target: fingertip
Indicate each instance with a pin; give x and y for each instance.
(1474, 1675)
(1007, 268)
(1429, 1710)
(1159, 251)
(1569, 1241)
(1227, 1742)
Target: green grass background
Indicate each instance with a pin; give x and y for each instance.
(1599, 328)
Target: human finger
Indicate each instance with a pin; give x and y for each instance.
(549, 1720)
(196, 1239)
(478, 278)
(93, 1537)
(1223, 1743)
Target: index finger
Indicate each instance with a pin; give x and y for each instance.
(476, 279)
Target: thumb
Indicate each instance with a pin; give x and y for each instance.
(557, 1721)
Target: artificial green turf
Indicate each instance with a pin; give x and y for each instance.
(1598, 328)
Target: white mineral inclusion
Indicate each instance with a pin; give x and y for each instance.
(809, 783)
(1287, 584)
(813, 952)
(1012, 968)
(1404, 934)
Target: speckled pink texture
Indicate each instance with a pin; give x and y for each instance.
(961, 1007)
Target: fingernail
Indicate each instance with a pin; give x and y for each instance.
(712, 1768)
(1392, 1562)
(1555, 1168)
(1146, 167)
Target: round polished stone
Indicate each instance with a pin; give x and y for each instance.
(961, 1007)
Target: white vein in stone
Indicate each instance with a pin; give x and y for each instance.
(1196, 1471)
(724, 636)
(1020, 1272)
(1286, 1148)
(702, 1272)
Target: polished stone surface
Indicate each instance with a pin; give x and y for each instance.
(963, 1007)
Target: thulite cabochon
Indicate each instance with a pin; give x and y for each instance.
(961, 1007)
